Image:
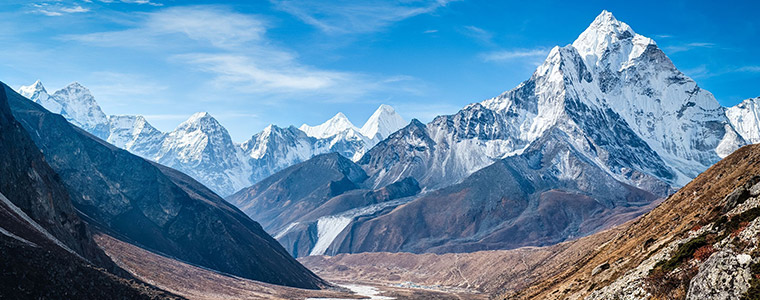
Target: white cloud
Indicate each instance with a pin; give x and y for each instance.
(217, 26)
(57, 9)
(688, 46)
(750, 69)
(233, 49)
(257, 75)
(506, 55)
(352, 16)
(478, 34)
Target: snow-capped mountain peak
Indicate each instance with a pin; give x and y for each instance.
(382, 123)
(609, 42)
(37, 93)
(331, 127)
(135, 134)
(30, 90)
(74, 102)
(202, 121)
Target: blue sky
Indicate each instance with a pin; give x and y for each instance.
(287, 62)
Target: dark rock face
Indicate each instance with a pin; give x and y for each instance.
(290, 203)
(46, 250)
(296, 191)
(156, 207)
(410, 147)
(31, 185)
(36, 267)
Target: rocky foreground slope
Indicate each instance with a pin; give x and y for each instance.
(700, 243)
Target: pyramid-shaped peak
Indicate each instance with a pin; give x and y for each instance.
(386, 108)
(607, 37)
(339, 117)
(603, 29)
(383, 122)
(38, 85)
(77, 87)
(200, 116)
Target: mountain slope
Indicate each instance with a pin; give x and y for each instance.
(745, 117)
(546, 195)
(135, 134)
(658, 256)
(37, 190)
(47, 250)
(291, 193)
(601, 129)
(36, 265)
(306, 206)
(154, 206)
(202, 148)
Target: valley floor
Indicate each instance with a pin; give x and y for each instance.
(194, 282)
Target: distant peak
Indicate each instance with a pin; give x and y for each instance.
(331, 127)
(386, 108)
(339, 116)
(76, 85)
(74, 89)
(200, 116)
(382, 123)
(29, 90)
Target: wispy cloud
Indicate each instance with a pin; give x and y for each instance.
(351, 16)
(430, 31)
(212, 25)
(702, 71)
(478, 34)
(689, 46)
(507, 55)
(749, 69)
(57, 9)
(258, 75)
(148, 2)
(233, 48)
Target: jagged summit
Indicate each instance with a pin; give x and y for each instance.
(201, 121)
(74, 102)
(331, 127)
(609, 42)
(29, 90)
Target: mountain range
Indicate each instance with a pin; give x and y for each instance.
(133, 199)
(202, 148)
(604, 127)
